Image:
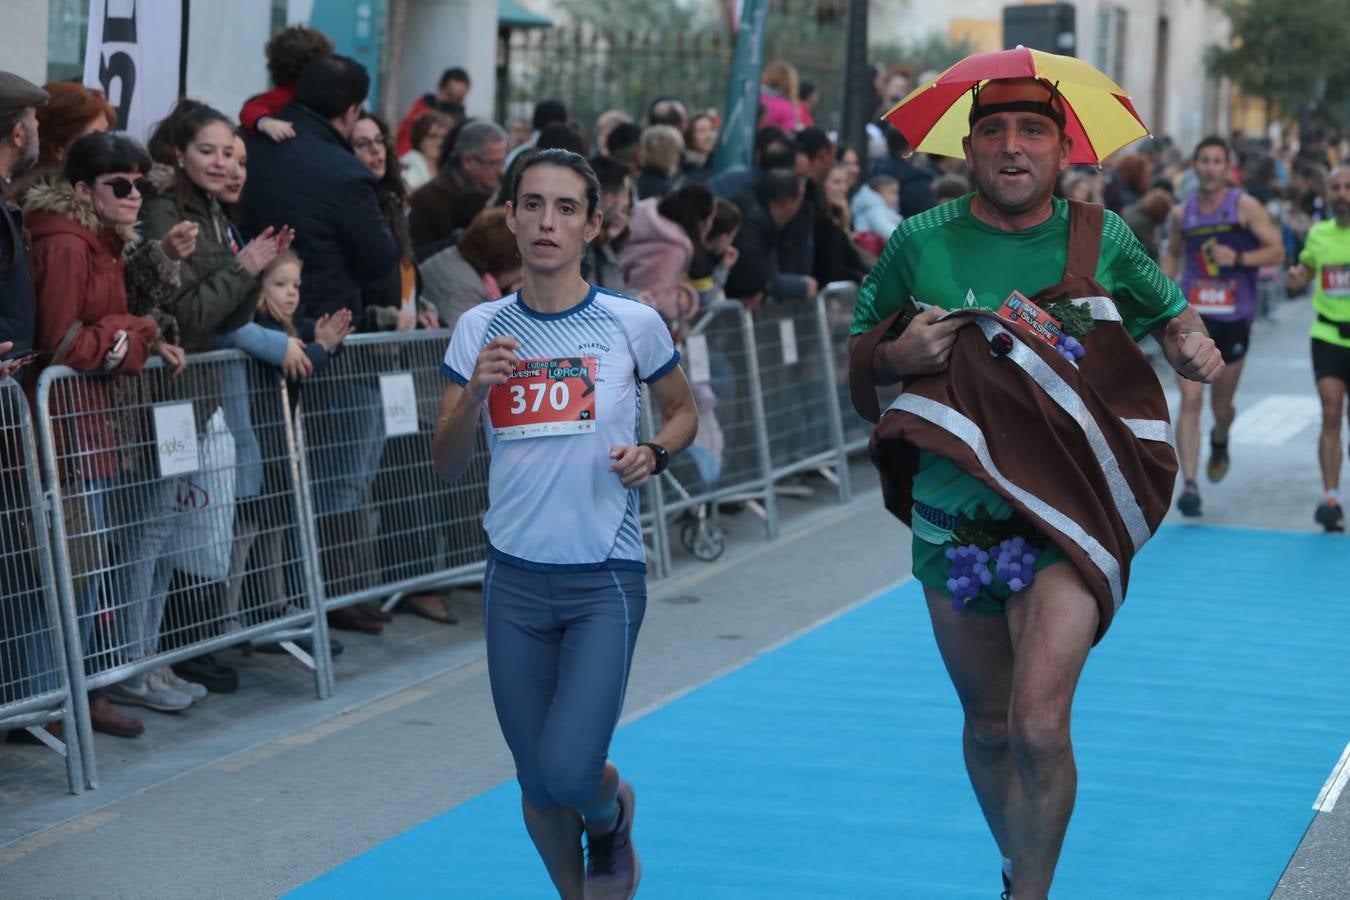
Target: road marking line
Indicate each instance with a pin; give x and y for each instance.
(52, 836)
(1276, 419)
(1336, 781)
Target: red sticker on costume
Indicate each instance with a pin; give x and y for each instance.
(545, 397)
(1336, 281)
(1031, 318)
(1214, 298)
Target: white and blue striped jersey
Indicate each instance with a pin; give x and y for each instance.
(553, 503)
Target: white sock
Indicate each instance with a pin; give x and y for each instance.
(1334, 495)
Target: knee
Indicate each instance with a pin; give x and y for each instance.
(1039, 735)
(1331, 417)
(569, 780)
(1192, 402)
(989, 733)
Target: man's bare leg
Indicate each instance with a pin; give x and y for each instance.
(1188, 426)
(1052, 623)
(978, 654)
(1221, 396)
(1331, 391)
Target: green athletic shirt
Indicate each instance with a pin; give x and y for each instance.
(1327, 253)
(945, 256)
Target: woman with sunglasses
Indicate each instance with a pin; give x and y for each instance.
(84, 253)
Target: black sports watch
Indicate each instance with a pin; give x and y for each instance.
(661, 454)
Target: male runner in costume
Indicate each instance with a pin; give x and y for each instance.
(1015, 652)
(1219, 239)
(1325, 261)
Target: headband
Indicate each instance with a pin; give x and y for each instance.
(1045, 107)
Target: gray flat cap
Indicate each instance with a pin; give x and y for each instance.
(18, 93)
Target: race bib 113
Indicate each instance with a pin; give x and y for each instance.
(545, 397)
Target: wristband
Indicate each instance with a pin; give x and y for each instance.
(660, 453)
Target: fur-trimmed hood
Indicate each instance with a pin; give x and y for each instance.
(48, 203)
(162, 177)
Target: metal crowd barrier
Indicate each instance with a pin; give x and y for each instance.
(177, 523)
(839, 298)
(34, 679)
(384, 523)
(193, 512)
(801, 401)
(729, 461)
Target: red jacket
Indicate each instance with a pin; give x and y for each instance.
(270, 103)
(422, 104)
(79, 287)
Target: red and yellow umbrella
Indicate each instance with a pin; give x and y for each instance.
(1098, 114)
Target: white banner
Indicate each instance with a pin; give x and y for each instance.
(135, 55)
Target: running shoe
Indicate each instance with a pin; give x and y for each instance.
(1189, 501)
(1330, 515)
(613, 869)
(146, 690)
(170, 679)
(1218, 460)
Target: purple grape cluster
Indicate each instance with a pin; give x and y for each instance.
(1015, 562)
(967, 573)
(1070, 348)
(968, 569)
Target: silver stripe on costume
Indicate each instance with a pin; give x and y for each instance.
(1103, 309)
(1152, 430)
(1068, 400)
(969, 433)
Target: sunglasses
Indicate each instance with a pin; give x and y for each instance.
(121, 187)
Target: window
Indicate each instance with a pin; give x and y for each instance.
(67, 31)
(1111, 42)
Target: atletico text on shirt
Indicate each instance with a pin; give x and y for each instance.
(1336, 281)
(545, 397)
(1212, 297)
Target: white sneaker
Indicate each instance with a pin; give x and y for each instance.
(171, 679)
(148, 691)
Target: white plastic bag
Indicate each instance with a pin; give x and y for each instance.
(204, 530)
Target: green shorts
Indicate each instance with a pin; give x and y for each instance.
(930, 568)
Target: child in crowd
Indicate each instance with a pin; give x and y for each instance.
(259, 522)
(287, 53)
(278, 301)
(876, 206)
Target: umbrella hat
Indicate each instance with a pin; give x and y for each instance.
(1098, 114)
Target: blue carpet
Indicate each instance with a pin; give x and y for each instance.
(1205, 726)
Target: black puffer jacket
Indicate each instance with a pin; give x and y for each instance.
(315, 184)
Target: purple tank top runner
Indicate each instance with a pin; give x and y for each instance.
(1225, 293)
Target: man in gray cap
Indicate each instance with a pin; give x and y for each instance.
(19, 100)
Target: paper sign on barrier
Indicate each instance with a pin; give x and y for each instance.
(696, 355)
(175, 439)
(787, 332)
(400, 404)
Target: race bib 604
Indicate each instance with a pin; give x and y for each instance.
(545, 397)
(1212, 297)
